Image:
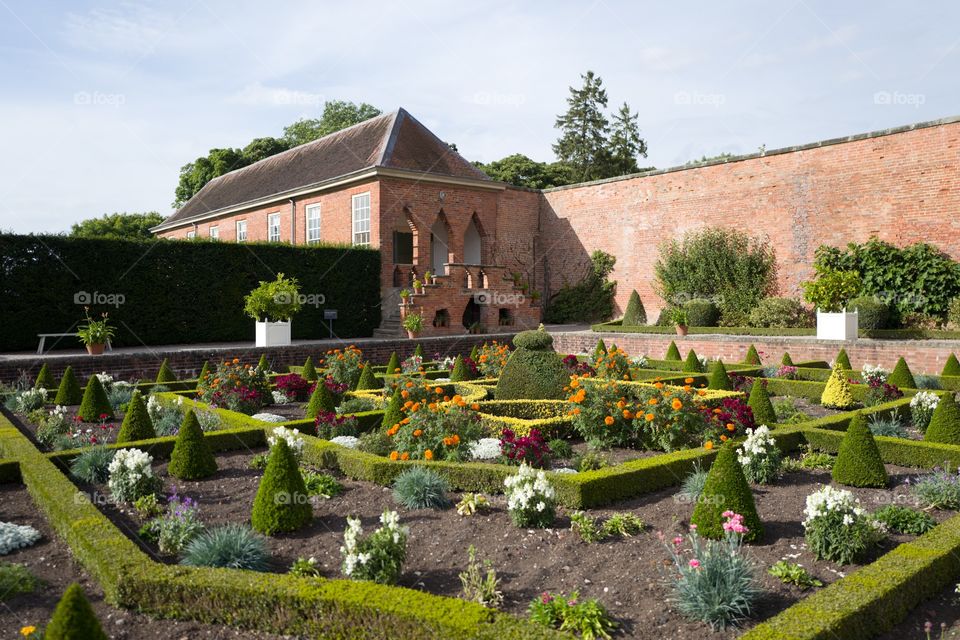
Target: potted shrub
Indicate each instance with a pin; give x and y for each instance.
(272, 305)
(404, 302)
(413, 323)
(429, 278)
(680, 321)
(95, 334)
(417, 286)
(829, 293)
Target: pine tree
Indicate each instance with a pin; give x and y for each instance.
(137, 424)
(368, 380)
(673, 353)
(262, 363)
(69, 392)
(309, 372)
(719, 379)
(635, 315)
(625, 144)
(858, 462)
(752, 356)
(759, 403)
(460, 371)
(583, 131)
(95, 402)
(45, 379)
(901, 377)
(726, 489)
(945, 422)
(843, 360)
(281, 504)
(321, 401)
(951, 367)
(165, 374)
(692, 363)
(74, 619)
(393, 364)
(787, 361)
(394, 411)
(192, 458)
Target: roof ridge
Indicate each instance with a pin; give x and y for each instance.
(390, 137)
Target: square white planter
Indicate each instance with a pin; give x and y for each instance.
(837, 326)
(273, 334)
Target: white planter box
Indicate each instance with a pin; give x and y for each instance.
(837, 326)
(273, 334)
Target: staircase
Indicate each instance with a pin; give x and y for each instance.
(390, 326)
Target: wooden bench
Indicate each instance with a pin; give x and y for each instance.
(43, 339)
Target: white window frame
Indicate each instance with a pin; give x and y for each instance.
(215, 232)
(360, 216)
(312, 231)
(273, 227)
(241, 230)
(191, 235)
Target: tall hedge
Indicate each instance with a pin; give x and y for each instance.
(162, 280)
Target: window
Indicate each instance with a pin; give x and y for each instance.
(214, 233)
(273, 227)
(191, 235)
(313, 224)
(241, 230)
(361, 219)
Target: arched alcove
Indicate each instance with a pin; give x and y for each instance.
(472, 243)
(439, 246)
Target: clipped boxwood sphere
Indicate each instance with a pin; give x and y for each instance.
(533, 340)
(702, 313)
(872, 313)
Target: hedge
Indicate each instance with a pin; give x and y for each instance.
(175, 291)
(878, 334)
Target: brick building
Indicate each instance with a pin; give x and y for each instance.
(391, 183)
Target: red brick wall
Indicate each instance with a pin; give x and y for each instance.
(903, 188)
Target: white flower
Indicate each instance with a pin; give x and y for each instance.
(926, 400)
(268, 417)
(350, 442)
(485, 449)
(873, 374)
(279, 397)
(291, 436)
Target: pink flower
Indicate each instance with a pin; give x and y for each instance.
(678, 541)
(545, 598)
(728, 514)
(694, 563)
(693, 527)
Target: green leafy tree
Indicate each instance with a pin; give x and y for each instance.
(260, 148)
(600, 349)
(705, 159)
(519, 170)
(192, 458)
(194, 175)
(591, 298)
(74, 619)
(118, 226)
(583, 130)
(337, 115)
(136, 422)
(625, 144)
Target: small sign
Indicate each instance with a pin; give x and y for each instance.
(329, 314)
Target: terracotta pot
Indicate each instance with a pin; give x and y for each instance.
(403, 310)
(412, 334)
(95, 349)
(681, 329)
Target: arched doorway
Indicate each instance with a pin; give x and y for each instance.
(439, 246)
(471, 315)
(472, 243)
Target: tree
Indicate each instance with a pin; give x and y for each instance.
(521, 171)
(337, 115)
(583, 140)
(706, 159)
(118, 226)
(625, 142)
(194, 175)
(260, 148)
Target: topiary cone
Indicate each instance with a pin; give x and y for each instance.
(786, 360)
(858, 462)
(951, 367)
(393, 364)
(95, 402)
(752, 356)
(534, 370)
(394, 411)
(843, 360)
(191, 458)
(836, 394)
(945, 422)
(204, 370)
(759, 403)
(262, 363)
(635, 315)
(368, 380)
(74, 619)
(45, 379)
(281, 504)
(474, 353)
(309, 372)
(69, 391)
(600, 349)
(719, 379)
(726, 489)
(672, 352)
(901, 377)
(165, 374)
(692, 363)
(321, 401)
(136, 422)
(460, 371)
(419, 351)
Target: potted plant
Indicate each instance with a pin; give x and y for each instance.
(417, 286)
(272, 305)
(404, 302)
(429, 278)
(680, 321)
(413, 323)
(95, 334)
(829, 293)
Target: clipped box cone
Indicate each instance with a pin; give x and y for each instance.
(321, 401)
(726, 489)
(759, 403)
(74, 619)
(673, 353)
(719, 380)
(901, 377)
(368, 379)
(945, 422)
(165, 374)
(282, 503)
(95, 402)
(192, 458)
(69, 391)
(858, 462)
(137, 424)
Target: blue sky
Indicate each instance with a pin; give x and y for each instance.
(101, 103)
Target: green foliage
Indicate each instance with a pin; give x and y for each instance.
(337, 115)
(692, 363)
(589, 300)
(873, 313)
(321, 401)
(836, 393)
(589, 529)
(780, 313)
(309, 371)
(938, 490)
(368, 380)
(534, 371)
(274, 301)
(394, 411)
(305, 568)
(15, 580)
(601, 349)
(480, 583)
(722, 264)
(460, 372)
(321, 484)
(231, 546)
(45, 379)
(74, 619)
(792, 573)
(944, 426)
(117, 226)
(393, 364)
(281, 504)
(951, 367)
(192, 458)
(519, 170)
(165, 374)
(726, 489)
(843, 360)
(635, 315)
(421, 488)
(889, 425)
(701, 313)
(786, 360)
(900, 519)
(832, 290)
(262, 363)
(136, 422)
(560, 449)
(858, 462)
(588, 618)
(95, 402)
(69, 391)
(719, 378)
(901, 377)
(752, 357)
(673, 353)
(692, 485)
(759, 403)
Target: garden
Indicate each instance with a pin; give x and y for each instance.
(512, 492)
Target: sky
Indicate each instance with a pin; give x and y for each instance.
(101, 103)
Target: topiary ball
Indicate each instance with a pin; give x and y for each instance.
(74, 619)
(192, 458)
(95, 403)
(533, 340)
(759, 403)
(534, 370)
(137, 424)
(69, 391)
(282, 503)
(871, 313)
(719, 379)
(726, 489)
(901, 377)
(702, 313)
(945, 423)
(673, 353)
(858, 462)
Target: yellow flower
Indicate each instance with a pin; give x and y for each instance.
(28, 631)
(708, 444)
(428, 455)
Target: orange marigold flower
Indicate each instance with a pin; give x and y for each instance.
(409, 384)
(621, 404)
(456, 439)
(688, 380)
(723, 438)
(405, 393)
(236, 361)
(686, 388)
(652, 401)
(576, 411)
(730, 427)
(415, 407)
(417, 433)
(658, 385)
(428, 455)
(649, 417)
(438, 390)
(718, 410)
(408, 404)
(708, 444)
(608, 420)
(404, 456)
(701, 392)
(394, 455)
(475, 406)
(627, 415)
(574, 382)
(677, 405)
